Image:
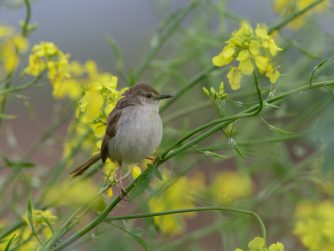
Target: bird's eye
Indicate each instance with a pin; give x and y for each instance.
(149, 95)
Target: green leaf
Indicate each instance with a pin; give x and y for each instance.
(30, 214)
(210, 154)
(279, 130)
(9, 243)
(142, 182)
(317, 67)
(18, 164)
(158, 174)
(117, 51)
(7, 116)
(136, 235)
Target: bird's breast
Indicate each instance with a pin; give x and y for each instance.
(138, 133)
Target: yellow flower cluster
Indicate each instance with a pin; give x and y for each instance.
(258, 244)
(23, 236)
(177, 196)
(11, 46)
(252, 50)
(47, 56)
(229, 186)
(95, 92)
(315, 225)
(99, 97)
(289, 7)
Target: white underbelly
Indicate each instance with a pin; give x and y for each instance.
(138, 134)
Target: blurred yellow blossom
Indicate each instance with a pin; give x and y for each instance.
(287, 8)
(258, 244)
(136, 171)
(11, 46)
(40, 217)
(98, 96)
(251, 49)
(181, 194)
(47, 56)
(110, 171)
(314, 224)
(110, 192)
(72, 193)
(229, 186)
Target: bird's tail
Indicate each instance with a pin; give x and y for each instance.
(82, 168)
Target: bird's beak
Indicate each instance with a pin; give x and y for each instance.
(162, 97)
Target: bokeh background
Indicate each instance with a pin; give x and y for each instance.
(281, 174)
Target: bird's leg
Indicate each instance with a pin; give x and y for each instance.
(121, 184)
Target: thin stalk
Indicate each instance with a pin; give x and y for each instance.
(25, 26)
(224, 121)
(197, 209)
(21, 87)
(252, 111)
(4, 97)
(289, 19)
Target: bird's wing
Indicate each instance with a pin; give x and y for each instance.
(110, 132)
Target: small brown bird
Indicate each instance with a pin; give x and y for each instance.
(134, 128)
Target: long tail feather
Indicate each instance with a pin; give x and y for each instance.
(82, 168)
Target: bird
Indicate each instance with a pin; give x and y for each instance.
(134, 128)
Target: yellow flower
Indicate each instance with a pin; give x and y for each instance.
(181, 194)
(258, 244)
(110, 192)
(229, 186)
(72, 193)
(47, 56)
(136, 171)
(234, 77)
(110, 170)
(276, 247)
(6, 31)
(11, 48)
(67, 88)
(22, 237)
(287, 8)
(99, 95)
(40, 217)
(314, 225)
(251, 50)
(225, 57)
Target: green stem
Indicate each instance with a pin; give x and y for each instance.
(21, 87)
(246, 113)
(197, 209)
(11, 229)
(25, 29)
(4, 97)
(257, 142)
(252, 111)
(289, 19)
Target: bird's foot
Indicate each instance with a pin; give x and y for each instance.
(123, 195)
(151, 158)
